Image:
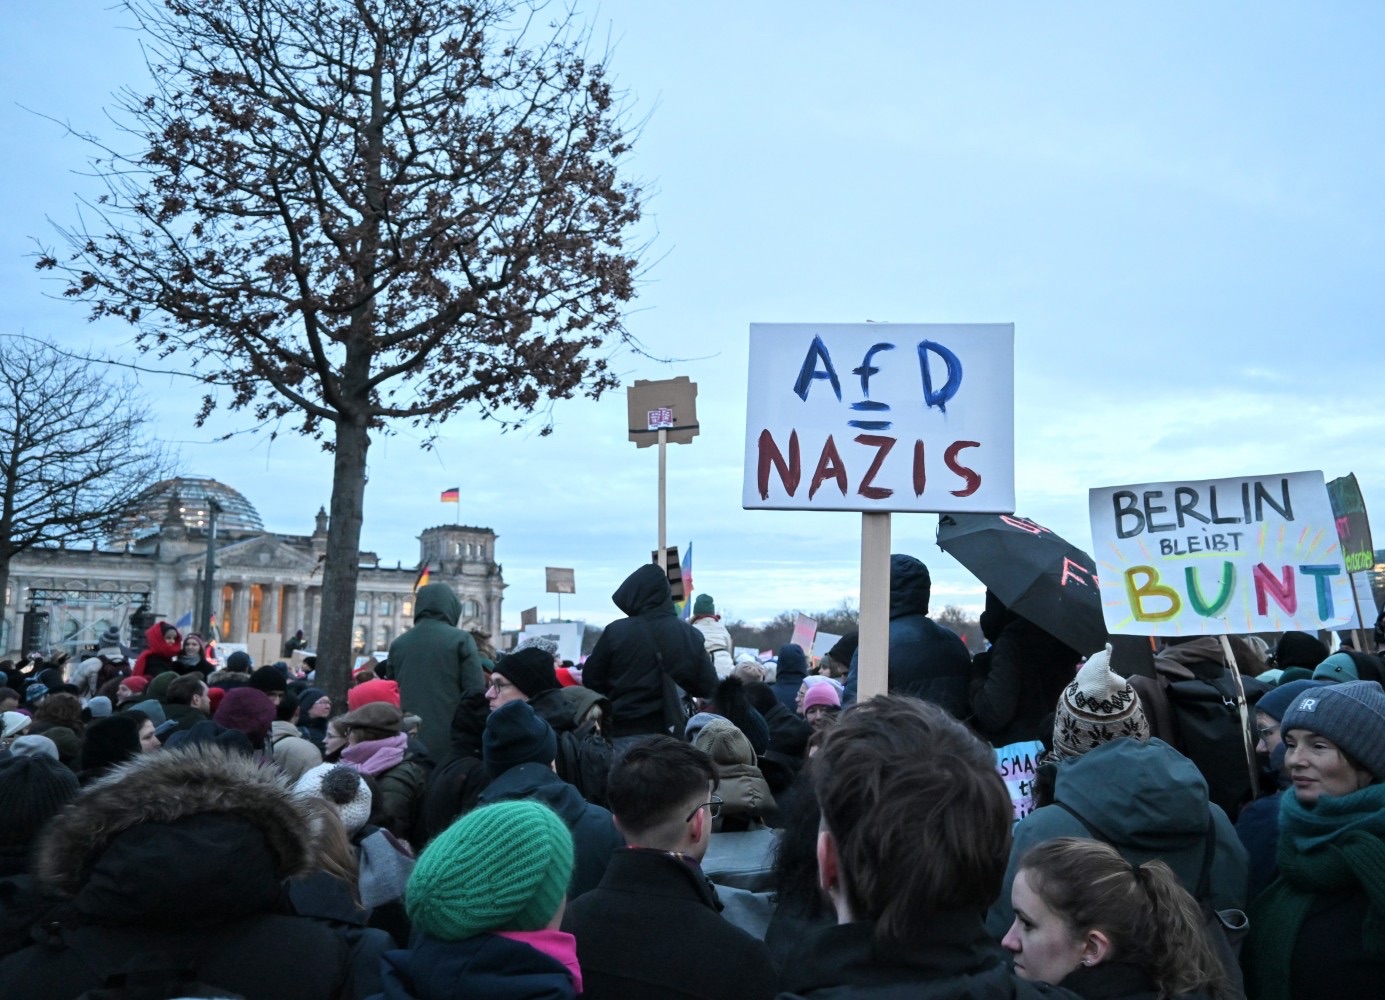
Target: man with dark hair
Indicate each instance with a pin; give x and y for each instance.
(652, 927)
(913, 842)
(188, 701)
(926, 660)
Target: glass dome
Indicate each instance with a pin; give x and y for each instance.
(193, 494)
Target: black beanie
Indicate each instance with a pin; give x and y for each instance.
(529, 669)
(1299, 649)
(516, 734)
(109, 743)
(269, 680)
(32, 790)
(845, 648)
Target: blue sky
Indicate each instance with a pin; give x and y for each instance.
(1178, 205)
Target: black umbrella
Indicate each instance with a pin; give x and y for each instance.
(1033, 571)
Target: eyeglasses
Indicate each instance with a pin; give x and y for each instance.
(500, 686)
(1267, 731)
(713, 807)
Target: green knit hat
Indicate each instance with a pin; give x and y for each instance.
(503, 867)
(704, 605)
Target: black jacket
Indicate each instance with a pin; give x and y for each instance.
(626, 663)
(651, 930)
(594, 833)
(954, 960)
(487, 965)
(1116, 981)
(1018, 682)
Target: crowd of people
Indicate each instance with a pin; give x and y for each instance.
(666, 819)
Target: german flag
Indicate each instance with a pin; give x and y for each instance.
(454, 495)
(422, 580)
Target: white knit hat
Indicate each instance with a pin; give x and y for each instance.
(1097, 707)
(343, 789)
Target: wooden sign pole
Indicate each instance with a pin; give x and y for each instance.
(663, 498)
(873, 663)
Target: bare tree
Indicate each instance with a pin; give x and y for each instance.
(75, 451)
(967, 627)
(357, 212)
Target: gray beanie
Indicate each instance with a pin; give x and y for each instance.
(1351, 715)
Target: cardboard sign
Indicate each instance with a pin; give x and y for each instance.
(880, 417)
(559, 580)
(805, 629)
(670, 404)
(1353, 527)
(1220, 556)
(568, 636)
(1018, 763)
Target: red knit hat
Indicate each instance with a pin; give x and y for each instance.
(372, 691)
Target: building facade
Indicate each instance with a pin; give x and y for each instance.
(264, 582)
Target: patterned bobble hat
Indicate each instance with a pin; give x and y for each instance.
(1097, 707)
(503, 867)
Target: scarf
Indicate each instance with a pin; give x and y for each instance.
(557, 945)
(375, 757)
(1331, 846)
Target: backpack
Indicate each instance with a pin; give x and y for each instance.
(1200, 719)
(110, 670)
(1225, 930)
(584, 761)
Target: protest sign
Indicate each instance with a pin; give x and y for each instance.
(1353, 527)
(1220, 556)
(804, 631)
(1018, 763)
(880, 417)
(568, 636)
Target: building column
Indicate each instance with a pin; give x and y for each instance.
(269, 608)
(293, 609)
(240, 613)
(312, 601)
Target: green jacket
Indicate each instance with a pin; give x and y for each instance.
(435, 663)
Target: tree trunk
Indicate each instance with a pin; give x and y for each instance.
(342, 565)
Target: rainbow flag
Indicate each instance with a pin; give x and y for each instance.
(685, 606)
(422, 580)
(454, 495)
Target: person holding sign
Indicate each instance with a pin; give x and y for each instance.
(1319, 930)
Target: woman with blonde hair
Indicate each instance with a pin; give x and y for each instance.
(1090, 921)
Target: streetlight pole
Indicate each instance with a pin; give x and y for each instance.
(208, 576)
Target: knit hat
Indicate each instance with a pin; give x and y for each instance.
(822, 694)
(16, 722)
(1276, 701)
(373, 715)
(372, 691)
(538, 642)
(268, 680)
(135, 684)
(1351, 715)
(845, 648)
(343, 788)
(724, 743)
(158, 687)
(35, 746)
(99, 707)
(503, 867)
(1299, 649)
(1337, 667)
(109, 638)
(150, 709)
(515, 734)
(704, 605)
(530, 670)
(32, 790)
(1097, 707)
(246, 710)
(34, 692)
(240, 662)
(696, 724)
(109, 743)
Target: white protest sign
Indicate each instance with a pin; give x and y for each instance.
(568, 636)
(880, 417)
(1018, 763)
(1220, 556)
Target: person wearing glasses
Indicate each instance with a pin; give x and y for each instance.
(653, 928)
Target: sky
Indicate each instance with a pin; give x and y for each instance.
(1177, 205)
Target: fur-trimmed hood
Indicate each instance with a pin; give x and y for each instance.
(163, 788)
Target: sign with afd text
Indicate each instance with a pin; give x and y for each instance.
(880, 417)
(1214, 556)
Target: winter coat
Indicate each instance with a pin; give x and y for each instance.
(454, 787)
(954, 959)
(177, 859)
(399, 788)
(565, 709)
(789, 673)
(652, 929)
(86, 676)
(926, 660)
(487, 965)
(635, 654)
(159, 656)
(717, 641)
(185, 715)
(435, 663)
(1152, 803)
(292, 752)
(1116, 981)
(1020, 679)
(594, 833)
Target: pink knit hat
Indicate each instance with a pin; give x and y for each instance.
(822, 694)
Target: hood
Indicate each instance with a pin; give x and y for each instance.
(437, 601)
(537, 782)
(1147, 796)
(156, 792)
(154, 641)
(643, 591)
(910, 586)
(792, 666)
(1204, 656)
